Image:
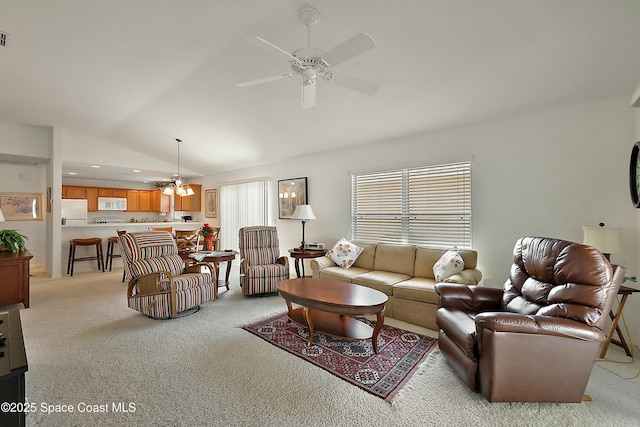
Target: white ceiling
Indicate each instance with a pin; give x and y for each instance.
(140, 73)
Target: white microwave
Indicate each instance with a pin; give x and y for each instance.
(112, 204)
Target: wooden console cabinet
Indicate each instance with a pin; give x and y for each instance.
(14, 271)
(13, 366)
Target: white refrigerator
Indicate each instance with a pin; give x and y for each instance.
(74, 211)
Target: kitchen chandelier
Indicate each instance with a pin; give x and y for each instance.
(176, 184)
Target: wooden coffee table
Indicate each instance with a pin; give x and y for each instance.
(327, 305)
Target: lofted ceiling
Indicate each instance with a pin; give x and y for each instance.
(140, 73)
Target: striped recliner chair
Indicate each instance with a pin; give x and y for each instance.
(261, 265)
(160, 286)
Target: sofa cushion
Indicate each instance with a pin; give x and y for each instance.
(382, 281)
(427, 257)
(341, 274)
(344, 253)
(395, 258)
(449, 264)
(365, 260)
(418, 289)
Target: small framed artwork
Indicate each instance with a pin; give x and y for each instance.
(211, 203)
(291, 192)
(22, 206)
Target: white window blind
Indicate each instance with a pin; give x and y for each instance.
(242, 205)
(429, 206)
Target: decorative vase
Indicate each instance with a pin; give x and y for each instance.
(208, 243)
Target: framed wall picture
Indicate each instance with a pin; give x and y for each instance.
(211, 203)
(291, 192)
(22, 206)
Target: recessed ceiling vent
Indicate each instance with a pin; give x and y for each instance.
(4, 39)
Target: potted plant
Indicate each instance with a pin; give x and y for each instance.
(12, 241)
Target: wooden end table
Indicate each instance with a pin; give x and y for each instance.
(299, 255)
(216, 258)
(327, 306)
(625, 291)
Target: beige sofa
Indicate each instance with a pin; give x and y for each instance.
(404, 273)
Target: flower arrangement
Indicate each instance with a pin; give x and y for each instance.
(206, 231)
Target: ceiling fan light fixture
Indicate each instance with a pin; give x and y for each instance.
(168, 190)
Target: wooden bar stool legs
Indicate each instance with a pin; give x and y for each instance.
(112, 242)
(96, 241)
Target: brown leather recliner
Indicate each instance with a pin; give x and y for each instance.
(537, 339)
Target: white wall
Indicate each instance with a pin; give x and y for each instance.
(546, 173)
(24, 143)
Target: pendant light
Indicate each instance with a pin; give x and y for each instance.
(176, 184)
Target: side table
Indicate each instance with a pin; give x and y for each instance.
(216, 258)
(625, 291)
(299, 255)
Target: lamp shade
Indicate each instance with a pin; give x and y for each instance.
(604, 239)
(1, 216)
(303, 212)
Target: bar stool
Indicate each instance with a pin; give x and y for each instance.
(94, 241)
(112, 242)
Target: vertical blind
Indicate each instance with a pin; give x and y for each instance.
(242, 205)
(428, 206)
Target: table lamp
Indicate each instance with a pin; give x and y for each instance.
(604, 239)
(304, 213)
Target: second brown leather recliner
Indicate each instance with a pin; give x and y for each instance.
(536, 339)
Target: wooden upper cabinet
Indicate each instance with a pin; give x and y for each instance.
(119, 192)
(74, 192)
(160, 202)
(196, 199)
(191, 203)
(178, 202)
(92, 199)
(145, 200)
(133, 200)
(106, 192)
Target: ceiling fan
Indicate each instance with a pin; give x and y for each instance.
(311, 63)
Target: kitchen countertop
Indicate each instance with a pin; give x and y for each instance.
(189, 224)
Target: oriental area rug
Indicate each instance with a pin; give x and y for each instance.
(383, 374)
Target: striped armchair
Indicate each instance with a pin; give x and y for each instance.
(160, 286)
(261, 265)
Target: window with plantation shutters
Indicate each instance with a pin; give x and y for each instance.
(428, 206)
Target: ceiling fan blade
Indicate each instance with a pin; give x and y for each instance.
(264, 80)
(308, 95)
(354, 46)
(354, 83)
(283, 52)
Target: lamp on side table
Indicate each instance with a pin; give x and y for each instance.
(304, 213)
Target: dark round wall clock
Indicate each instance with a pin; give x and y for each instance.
(634, 175)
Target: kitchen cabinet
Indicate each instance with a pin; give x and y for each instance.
(137, 200)
(106, 192)
(160, 202)
(191, 203)
(145, 201)
(133, 200)
(196, 199)
(92, 199)
(74, 192)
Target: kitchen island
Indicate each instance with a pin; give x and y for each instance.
(104, 231)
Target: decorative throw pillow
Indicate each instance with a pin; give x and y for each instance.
(344, 253)
(450, 263)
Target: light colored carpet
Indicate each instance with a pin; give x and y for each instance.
(85, 347)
